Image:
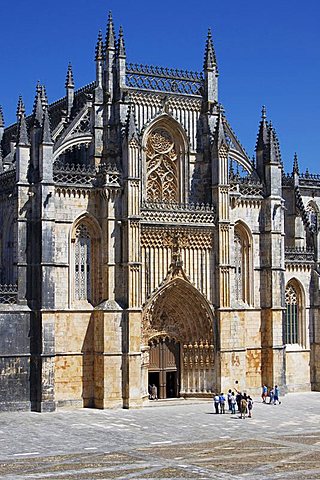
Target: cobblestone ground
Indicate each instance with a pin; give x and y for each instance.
(173, 440)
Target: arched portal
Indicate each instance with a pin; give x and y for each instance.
(179, 318)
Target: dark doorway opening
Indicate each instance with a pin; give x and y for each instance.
(154, 380)
(164, 367)
(171, 384)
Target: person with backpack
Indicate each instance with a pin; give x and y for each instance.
(222, 401)
(243, 406)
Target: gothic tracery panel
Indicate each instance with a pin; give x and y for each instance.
(82, 263)
(162, 167)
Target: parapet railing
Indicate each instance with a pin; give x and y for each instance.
(150, 77)
(299, 254)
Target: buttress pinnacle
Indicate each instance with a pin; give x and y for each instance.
(110, 36)
(121, 50)
(210, 60)
(69, 78)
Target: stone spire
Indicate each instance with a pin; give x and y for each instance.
(44, 98)
(46, 129)
(99, 47)
(69, 79)
(210, 60)
(274, 147)
(22, 138)
(69, 89)
(20, 108)
(37, 106)
(1, 117)
(210, 74)
(263, 131)
(110, 36)
(121, 50)
(295, 169)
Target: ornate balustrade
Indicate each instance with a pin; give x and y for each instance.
(163, 79)
(8, 294)
(299, 255)
(247, 186)
(70, 174)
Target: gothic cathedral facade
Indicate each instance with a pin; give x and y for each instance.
(140, 245)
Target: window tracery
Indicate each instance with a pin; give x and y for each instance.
(82, 263)
(292, 315)
(243, 266)
(162, 167)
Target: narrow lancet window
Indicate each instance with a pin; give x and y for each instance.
(292, 316)
(82, 263)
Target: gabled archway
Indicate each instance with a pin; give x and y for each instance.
(178, 311)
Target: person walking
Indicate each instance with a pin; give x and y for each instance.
(222, 401)
(264, 393)
(271, 396)
(250, 406)
(216, 402)
(238, 400)
(229, 395)
(243, 406)
(276, 395)
(233, 402)
(154, 392)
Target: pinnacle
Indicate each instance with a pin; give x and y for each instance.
(1, 117)
(295, 164)
(23, 138)
(99, 47)
(263, 113)
(110, 36)
(37, 106)
(69, 80)
(44, 98)
(46, 130)
(131, 125)
(210, 60)
(121, 47)
(20, 108)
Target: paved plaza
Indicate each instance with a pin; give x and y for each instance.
(170, 440)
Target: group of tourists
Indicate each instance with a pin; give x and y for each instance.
(272, 394)
(241, 401)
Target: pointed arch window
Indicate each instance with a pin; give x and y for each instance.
(161, 167)
(294, 327)
(82, 263)
(243, 266)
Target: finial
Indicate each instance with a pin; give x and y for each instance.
(69, 79)
(99, 47)
(263, 112)
(23, 138)
(295, 164)
(37, 106)
(20, 108)
(121, 47)
(210, 60)
(44, 98)
(1, 117)
(46, 130)
(110, 36)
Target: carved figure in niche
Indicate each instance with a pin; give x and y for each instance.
(162, 169)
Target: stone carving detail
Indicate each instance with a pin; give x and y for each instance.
(163, 212)
(83, 126)
(162, 181)
(8, 294)
(191, 238)
(198, 355)
(71, 174)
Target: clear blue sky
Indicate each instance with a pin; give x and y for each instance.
(268, 53)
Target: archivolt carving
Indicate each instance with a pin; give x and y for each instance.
(179, 311)
(162, 170)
